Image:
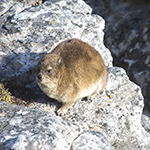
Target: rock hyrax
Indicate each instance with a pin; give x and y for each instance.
(73, 70)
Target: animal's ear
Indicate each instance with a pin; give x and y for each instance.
(59, 62)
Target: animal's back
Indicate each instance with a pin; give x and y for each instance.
(82, 61)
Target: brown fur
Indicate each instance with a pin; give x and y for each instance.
(76, 70)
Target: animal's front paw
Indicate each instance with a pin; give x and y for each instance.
(61, 111)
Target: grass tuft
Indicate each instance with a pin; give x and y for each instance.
(5, 95)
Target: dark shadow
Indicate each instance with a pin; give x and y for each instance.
(21, 82)
(8, 143)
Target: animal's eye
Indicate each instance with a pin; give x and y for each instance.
(49, 71)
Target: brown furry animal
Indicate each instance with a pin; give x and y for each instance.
(73, 70)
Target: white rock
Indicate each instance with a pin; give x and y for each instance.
(91, 140)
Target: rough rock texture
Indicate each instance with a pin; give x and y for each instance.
(119, 117)
(23, 128)
(127, 37)
(15, 5)
(30, 129)
(26, 128)
(146, 123)
(116, 112)
(90, 140)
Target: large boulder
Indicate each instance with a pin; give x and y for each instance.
(116, 112)
(24, 128)
(127, 37)
(114, 115)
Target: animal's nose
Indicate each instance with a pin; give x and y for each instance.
(39, 76)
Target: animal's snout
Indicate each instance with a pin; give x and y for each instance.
(39, 76)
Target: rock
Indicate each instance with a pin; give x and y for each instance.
(15, 5)
(119, 117)
(91, 140)
(127, 37)
(25, 36)
(145, 121)
(34, 129)
(25, 128)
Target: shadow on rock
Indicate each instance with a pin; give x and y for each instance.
(17, 74)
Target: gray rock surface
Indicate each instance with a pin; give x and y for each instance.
(145, 121)
(119, 117)
(24, 128)
(91, 140)
(25, 36)
(30, 129)
(127, 37)
(15, 5)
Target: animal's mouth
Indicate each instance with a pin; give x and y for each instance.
(38, 80)
(41, 81)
